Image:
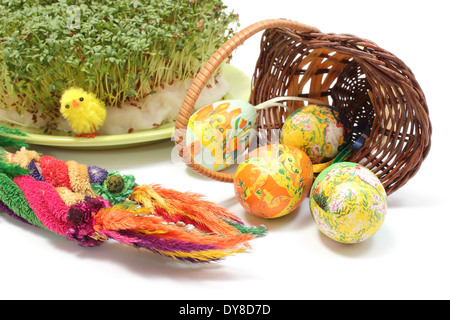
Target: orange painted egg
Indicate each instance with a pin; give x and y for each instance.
(273, 180)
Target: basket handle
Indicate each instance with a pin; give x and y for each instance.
(203, 77)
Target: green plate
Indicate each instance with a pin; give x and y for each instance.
(240, 86)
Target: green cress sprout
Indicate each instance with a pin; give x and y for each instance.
(118, 49)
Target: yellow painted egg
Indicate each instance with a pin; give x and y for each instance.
(348, 203)
(316, 130)
(219, 134)
(273, 180)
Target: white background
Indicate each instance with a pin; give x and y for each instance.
(407, 259)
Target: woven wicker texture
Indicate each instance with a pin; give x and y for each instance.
(371, 86)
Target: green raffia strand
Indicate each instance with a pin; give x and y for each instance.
(12, 170)
(14, 199)
(4, 130)
(256, 231)
(355, 146)
(343, 154)
(6, 141)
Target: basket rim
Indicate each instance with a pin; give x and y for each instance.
(205, 74)
(379, 62)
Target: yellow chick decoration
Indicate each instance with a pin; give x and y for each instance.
(84, 112)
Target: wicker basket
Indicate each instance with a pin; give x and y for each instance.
(369, 85)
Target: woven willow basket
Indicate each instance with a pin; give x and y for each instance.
(369, 85)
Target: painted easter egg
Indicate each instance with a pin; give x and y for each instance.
(348, 203)
(273, 180)
(316, 130)
(219, 134)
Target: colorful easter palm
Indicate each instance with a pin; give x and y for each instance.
(90, 205)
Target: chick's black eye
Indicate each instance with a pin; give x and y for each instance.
(81, 99)
(67, 106)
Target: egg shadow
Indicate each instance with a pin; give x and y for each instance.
(299, 219)
(376, 246)
(348, 250)
(271, 224)
(148, 265)
(141, 262)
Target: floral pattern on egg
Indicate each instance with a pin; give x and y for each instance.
(348, 203)
(316, 130)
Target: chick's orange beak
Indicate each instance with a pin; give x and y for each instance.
(75, 104)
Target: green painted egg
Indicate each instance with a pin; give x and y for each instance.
(348, 203)
(219, 134)
(316, 130)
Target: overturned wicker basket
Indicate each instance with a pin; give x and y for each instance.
(371, 86)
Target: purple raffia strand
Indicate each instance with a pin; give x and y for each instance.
(7, 210)
(35, 171)
(157, 245)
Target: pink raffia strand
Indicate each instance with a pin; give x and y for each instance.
(45, 201)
